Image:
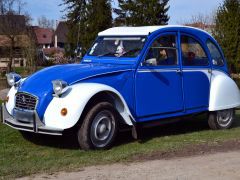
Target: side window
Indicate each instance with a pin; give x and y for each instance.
(192, 52)
(163, 52)
(217, 58)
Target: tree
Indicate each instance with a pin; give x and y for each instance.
(227, 31)
(142, 12)
(100, 18)
(204, 19)
(6, 6)
(43, 22)
(85, 19)
(12, 26)
(11, 6)
(77, 14)
(30, 50)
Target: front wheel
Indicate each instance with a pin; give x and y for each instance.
(222, 119)
(99, 127)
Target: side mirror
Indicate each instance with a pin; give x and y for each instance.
(214, 61)
(150, 62)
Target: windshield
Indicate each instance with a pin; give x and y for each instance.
(117, 46)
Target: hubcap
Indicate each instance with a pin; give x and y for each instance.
(102, 128)
(224, 117)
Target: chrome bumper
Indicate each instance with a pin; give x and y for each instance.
(36, 126)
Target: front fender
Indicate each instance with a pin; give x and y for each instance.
(10, 104)
(224, 93)
(75, 102)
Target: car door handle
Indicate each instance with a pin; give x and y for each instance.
(209, 71)
(178, 71)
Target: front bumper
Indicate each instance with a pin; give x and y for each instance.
(36, 126)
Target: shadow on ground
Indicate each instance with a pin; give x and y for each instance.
(183, 126)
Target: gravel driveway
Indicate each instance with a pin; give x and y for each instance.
(212, 166)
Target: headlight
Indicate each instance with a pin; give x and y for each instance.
(59, 87)
(13, 79)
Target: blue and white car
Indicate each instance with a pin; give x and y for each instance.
(132, 76)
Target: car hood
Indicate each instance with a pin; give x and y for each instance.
(40, 82)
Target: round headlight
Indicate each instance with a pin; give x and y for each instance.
(59, 87)
(13, 79)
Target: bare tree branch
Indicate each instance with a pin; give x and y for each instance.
(45, 23)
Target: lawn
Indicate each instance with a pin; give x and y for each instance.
(45, 154)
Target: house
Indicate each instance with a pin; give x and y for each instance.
(60, 35)
(48, 38)
(44, 37)
(13, 40)
(51, 42)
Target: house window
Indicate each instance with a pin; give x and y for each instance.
(44, 36)
(163, 52)
(192, 52)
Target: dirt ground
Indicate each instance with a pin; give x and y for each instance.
(218, 161)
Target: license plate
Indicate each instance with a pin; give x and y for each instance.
(23, 115)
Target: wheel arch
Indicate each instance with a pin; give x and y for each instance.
(113, 98)
(81, 97)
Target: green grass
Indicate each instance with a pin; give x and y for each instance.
(20, 157)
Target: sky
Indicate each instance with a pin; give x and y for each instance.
(180, 10)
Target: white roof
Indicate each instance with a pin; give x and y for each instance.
(135, 31)
(129, 31)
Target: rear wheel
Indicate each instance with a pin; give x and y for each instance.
(99, 127)
(221, 119)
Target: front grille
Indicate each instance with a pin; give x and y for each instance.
(25, 101)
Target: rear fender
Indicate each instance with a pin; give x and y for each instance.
(224, 93)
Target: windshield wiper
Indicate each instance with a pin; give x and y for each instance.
(107, 54)
(131, 50)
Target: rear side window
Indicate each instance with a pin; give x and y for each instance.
(192, 52)
(216, 56)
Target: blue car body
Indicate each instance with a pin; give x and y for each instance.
(150, 92)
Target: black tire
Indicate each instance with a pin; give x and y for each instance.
(99, 127)
(221, 119)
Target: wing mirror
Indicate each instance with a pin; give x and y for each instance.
(214, 61)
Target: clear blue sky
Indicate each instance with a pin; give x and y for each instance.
(180, 10)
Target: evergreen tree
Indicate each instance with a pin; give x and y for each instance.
(86, 18)
(100, 13)
(142, 12)
(77, 14)
(227, 31)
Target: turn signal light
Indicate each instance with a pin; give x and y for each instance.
(64, 111)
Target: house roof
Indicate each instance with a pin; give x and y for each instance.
(61, 32)
(43, 35)
(12, 24)
(137, 31)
